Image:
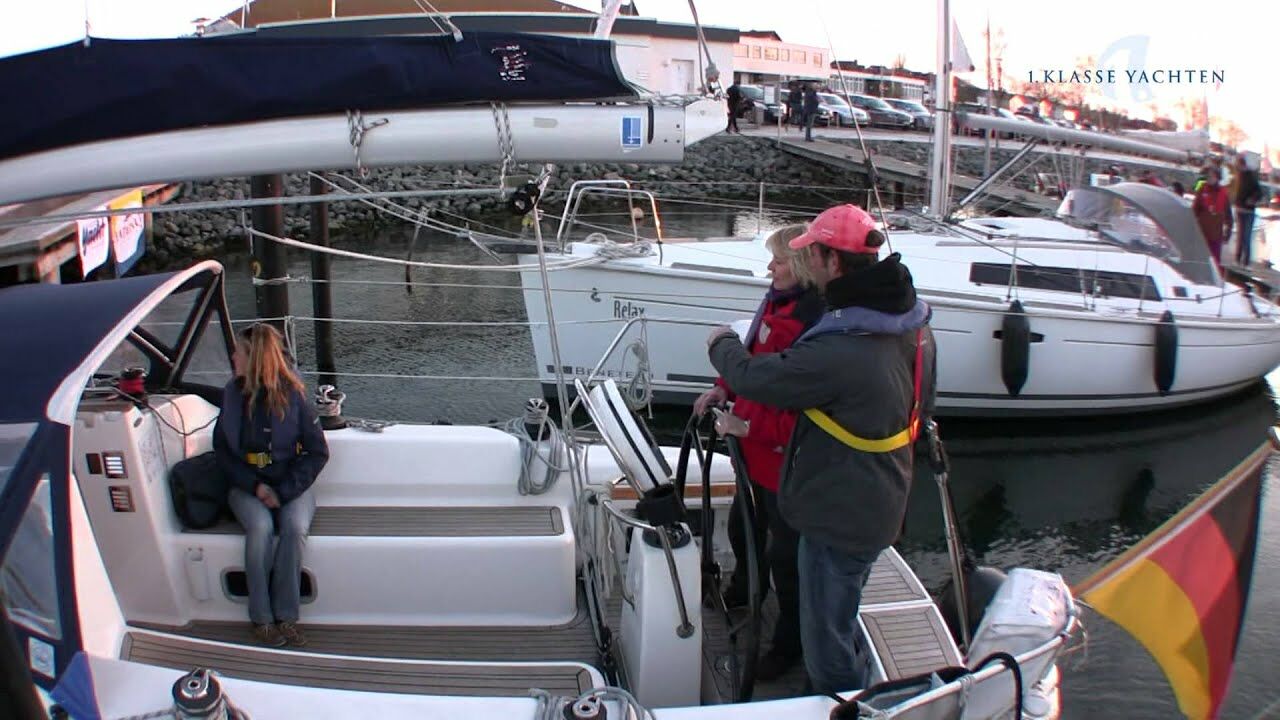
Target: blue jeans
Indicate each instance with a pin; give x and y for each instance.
(831, 584)
(279, 600)
(808, 124)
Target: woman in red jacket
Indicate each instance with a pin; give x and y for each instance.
(790, 307)
(1212, 208)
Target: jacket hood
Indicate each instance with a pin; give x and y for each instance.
(865, 320)
(886, 287)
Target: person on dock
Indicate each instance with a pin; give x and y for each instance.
(863, 380)
(1212, 209)
(269, 444)
(790, 307)
(1248, 193)
(734, 98)
(795, 105)
(810, 110)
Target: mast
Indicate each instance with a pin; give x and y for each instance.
(940, 166)
(608, 13)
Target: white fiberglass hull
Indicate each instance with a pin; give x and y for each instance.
(1081, 360)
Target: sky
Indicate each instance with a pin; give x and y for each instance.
(1232, 37)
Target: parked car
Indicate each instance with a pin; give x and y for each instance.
(881, 114)
(1026, 112)
(754, 99)
(921, 118)
(841, 113)
(979, 109)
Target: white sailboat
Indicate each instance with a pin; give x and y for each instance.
(1113, 305)
(436, 582)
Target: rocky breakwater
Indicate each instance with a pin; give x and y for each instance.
(719, 167)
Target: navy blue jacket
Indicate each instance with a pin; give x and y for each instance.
(810, 100)
(857, 365)
(295, 441)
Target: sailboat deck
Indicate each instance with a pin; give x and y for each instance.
(573, 641)
(897, 613)
(347, 672)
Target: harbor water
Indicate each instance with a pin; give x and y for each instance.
(1066, 495)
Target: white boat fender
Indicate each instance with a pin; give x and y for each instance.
(1015, 348)
(1166, 362)
(981, 583)
(1029, 609)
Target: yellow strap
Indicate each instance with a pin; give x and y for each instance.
(258, 459)
(884, 445)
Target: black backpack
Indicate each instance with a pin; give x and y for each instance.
(199, 491)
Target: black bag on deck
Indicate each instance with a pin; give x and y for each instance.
(199, 491)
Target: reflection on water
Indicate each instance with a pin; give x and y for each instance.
(1067, 495)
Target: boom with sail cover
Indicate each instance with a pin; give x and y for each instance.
(109, 89)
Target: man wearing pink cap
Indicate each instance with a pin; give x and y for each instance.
(863, 380)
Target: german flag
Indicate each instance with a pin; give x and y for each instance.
(1182, 590)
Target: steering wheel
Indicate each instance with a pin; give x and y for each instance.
(642, 461)
(742, 670)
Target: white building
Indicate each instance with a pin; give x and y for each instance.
(761, 57)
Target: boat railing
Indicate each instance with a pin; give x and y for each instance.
(642, 373)
(1044, 655)
(608, 187)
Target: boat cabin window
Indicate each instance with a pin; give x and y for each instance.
(1079, 281)
(13, 439)
(28, 586)
(1162, 227)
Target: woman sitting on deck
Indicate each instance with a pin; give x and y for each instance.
(269, 443)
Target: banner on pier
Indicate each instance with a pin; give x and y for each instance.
(127, 243)
(95, 242)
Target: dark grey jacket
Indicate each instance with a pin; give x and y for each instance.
(856, 366)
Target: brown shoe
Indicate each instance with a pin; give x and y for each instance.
(268, 635)
(292, 634)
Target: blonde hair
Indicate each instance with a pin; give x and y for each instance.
(269, 370)
(798, 260)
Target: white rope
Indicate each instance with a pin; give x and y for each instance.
(534, 449)
(414, 263)
(403, 212)
(399, 376)
(481, 286)
(610, 250)
(639, 391)
(431, 12)
(506, 145)
(455, 323)
(356, 128)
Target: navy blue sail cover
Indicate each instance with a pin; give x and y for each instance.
(111, 89)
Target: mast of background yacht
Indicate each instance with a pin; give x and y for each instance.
(940, 164)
